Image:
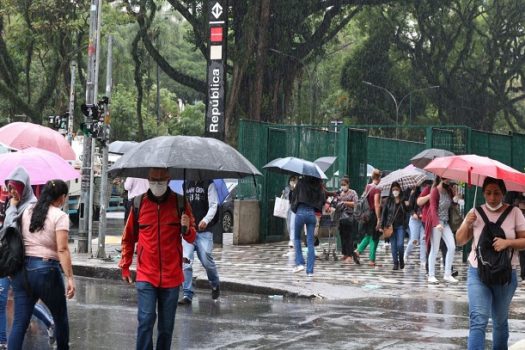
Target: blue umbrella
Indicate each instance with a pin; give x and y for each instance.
(295, 166)
(220, 185)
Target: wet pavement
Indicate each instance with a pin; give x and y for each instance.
(103, 316)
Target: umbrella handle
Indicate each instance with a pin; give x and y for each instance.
(183, 229)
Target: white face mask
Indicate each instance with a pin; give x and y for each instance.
(491, 208)
(158, 188)
(344, 188)
(395, 193)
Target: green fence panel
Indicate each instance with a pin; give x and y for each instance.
(391, 154)
(518, 152)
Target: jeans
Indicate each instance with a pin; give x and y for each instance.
(290, 221)
(397, 241)
(417, 233)
(305, 216)
(485, 301)
(4, 291)
(203, 245)
(44, 278)
(41, 312)
(448, 237)
(148, 297)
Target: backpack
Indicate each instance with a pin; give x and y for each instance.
(12, 253)
(362, 208)
(137, 202)
(494, 268)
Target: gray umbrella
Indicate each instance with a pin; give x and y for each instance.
(325, 162)
(422, 159)
(295, 166)
(186, 157)
(121, 147)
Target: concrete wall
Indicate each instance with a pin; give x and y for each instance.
(246, 216)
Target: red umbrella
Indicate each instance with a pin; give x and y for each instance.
(473, 169)
(21, 135)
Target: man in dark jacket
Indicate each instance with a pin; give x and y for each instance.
(204, 202)
(159, 261)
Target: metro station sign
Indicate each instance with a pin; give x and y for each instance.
(216, 73)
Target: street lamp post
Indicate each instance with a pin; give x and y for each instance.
(310, 76)
(402, 99)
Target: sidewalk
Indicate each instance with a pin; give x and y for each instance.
(266, 269)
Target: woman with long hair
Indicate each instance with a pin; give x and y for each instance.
(45, 230)
(394, 214)
(437, 226)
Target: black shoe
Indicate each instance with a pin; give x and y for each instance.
(401, 263)
(185, 301)
(215, 293)
(396, 267)
(455, 274)
(356, 259)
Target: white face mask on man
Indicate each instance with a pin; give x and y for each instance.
(158, 188)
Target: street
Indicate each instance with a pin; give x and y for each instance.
(103, 316)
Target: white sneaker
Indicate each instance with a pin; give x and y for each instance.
(433, 280)
(290, 244)
(450, 279)
(298, 268)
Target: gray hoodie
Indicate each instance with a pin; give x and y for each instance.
(13, 213)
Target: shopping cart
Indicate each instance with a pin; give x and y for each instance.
(327, 223)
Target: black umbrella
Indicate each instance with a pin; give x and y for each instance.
(121, 147)
(422, 159)
(186, 157)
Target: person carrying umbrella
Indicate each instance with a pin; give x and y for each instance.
(491, 300)
(394, 213)
(156, 226)
(307, 198)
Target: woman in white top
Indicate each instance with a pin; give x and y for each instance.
(45, 230)
(494, 299)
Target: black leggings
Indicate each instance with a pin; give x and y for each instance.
(347, 231)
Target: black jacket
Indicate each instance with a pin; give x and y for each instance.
(390, 209)
(308, 191)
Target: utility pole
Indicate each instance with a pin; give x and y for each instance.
(71, 109)
(94, 144)
(102, 223)
(91, 99)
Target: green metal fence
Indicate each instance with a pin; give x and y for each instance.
(355, 148)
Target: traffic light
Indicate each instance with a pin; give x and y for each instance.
(59, 122)
(87, 129)
(90, 111)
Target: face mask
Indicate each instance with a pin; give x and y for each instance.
(455, 200)
(395, 193)
(291, 184)
(344, 188)
(489, 207)
(158, 188)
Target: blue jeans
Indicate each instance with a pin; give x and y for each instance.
(485, 301)
(397, 241)
(417, 233)
(44, 278)
(4, 291)
(305, 216)
(203, 245)
(148, 297)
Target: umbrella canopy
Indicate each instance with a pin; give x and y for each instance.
(20, 135)
(407, 178)
(295, 166)
(41, 165)
(121, 147)
(422, 159)
(473, 169)
(324, 163)
(186, 157)
(369, 170)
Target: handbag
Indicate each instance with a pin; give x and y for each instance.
(454, 217)
(281, 207)
(389, 230)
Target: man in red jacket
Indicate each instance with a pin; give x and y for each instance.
(159, 257)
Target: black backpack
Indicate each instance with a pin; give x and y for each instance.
(494, 268)
(12, 253)
(362, 208)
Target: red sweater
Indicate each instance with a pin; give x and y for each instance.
(159, 248)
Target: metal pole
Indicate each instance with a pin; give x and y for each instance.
(84, 209)
(71, 110)
(102, 224)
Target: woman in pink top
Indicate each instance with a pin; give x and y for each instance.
(45, 230)
(486, 300)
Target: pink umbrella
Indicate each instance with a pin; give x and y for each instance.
(41, 165)
(20, 135)
(473, 169)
